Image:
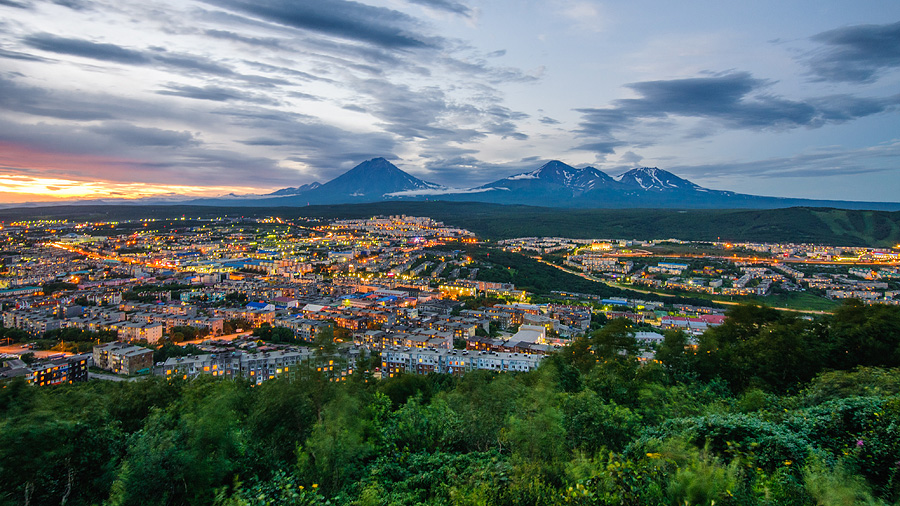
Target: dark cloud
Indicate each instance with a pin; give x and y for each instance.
(265, 141)
(840, 108)
(304, 96)
(131, 135)
(856, 53)
(548, 120)
(446, 5)
(506, 129)
(77, 47)
(13, 3)
(735, 101)
(15, 55)
(340, 18)
(155, 57)
(268, 42)
(289, 72)
(214, 93)
(75, 5)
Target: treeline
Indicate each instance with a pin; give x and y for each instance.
(748, 423)
(495, 221)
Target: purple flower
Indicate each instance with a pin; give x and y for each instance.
(860, 443)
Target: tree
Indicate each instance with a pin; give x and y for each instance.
(614, 340)
(676, 354)
(867, 335)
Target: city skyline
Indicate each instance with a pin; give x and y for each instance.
(210, 97)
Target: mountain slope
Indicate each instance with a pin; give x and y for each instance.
(554, 184)
(294, 191)
(369, 181)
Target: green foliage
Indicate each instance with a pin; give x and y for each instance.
(494, 221)
(51, 288)
(281, 489)
(169, 350)
(591, 426)
(267, 332)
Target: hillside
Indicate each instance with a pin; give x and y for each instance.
(494, 221)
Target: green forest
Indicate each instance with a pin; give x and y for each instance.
(838, 227)
(769, 408)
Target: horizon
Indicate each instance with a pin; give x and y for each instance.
(108, 100)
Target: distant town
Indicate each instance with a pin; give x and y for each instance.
(267, 298)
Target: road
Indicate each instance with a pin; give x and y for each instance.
(725, 302)
(227, 337)
(596, 280)
(20, 349)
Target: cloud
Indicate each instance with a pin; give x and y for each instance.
(548, 120)
(340, 18)
(77, 47)
(15, 55)
(326, 150)
(13, 3)
(131, 135)
(829, 162)
(604, 147)
(214, 93)
(460, 169)
(631, 158)
(734, 100)
(267, 42)
(40, 102)
(446, 5)
(157, 58)
(859, 53)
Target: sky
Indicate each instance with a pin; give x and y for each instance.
(127, 99)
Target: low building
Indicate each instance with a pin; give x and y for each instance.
(123, 358)
(456, 362)
(59, 370)
(131, 331)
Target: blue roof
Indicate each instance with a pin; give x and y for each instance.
(257, 305)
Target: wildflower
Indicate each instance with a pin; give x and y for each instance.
(315, 485)
(788, 462)
(860, 443)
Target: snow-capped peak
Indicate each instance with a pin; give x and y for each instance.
(654, 179)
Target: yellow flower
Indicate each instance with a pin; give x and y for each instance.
(788, 462)
(315, 485)
(654, 455)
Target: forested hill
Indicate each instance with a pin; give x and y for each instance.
(797, 224)
(771, 409)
